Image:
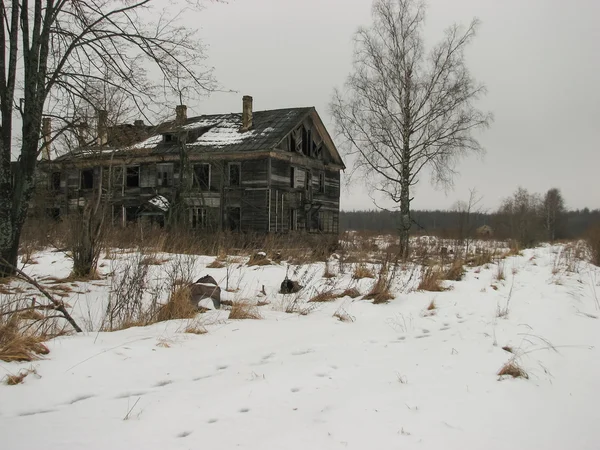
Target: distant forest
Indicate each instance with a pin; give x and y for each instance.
(447, 223)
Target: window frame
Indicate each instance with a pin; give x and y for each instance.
(239, 177)
(128, 177)
(196, 180)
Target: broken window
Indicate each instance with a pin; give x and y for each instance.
(164, 174)
(305, 140)
(235, 174)
(234, 219)
(55, 181)
(132, 176)
(292, 176)
(322, 182)
(169, 138)
(198, 217)
(202, 176)
(87, 179)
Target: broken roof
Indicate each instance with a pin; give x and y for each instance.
(219, 133)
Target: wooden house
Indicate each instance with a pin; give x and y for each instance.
(266, 171)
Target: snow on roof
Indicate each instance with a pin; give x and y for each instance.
(226, 132)
(160, 202)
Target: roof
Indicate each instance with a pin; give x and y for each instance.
(219, 133)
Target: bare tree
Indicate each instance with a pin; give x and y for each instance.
(553, 210)
(520, 216)
(405, 110)
(51, 50)
(465, 211)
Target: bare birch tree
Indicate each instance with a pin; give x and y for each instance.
(404, 109)
(50, 50)
(553, 210)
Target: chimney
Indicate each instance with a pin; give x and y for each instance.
(180, 114)
(246, 113)
(102, 138)
(46, 132)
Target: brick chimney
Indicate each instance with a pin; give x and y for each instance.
(46, 132)
(246, 113)
(102, 138)
(180, 114)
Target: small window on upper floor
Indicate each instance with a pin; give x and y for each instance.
(87, 179)
(235, 174)
(202, 176)
(164, 174)
(132, 176)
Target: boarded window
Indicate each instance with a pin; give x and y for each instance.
(322, 183)
(132, 176)
(235, 174)
(234, 219)
(164, 174)
(87, 179)
(202, 176)
(198, 217)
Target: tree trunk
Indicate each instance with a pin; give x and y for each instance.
(405, 221)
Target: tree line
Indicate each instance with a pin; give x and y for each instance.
(527, 217)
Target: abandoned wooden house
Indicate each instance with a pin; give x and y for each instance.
(265, 171)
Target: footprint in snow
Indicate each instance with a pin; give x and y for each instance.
(79, 399)
(39, 411)
(163, 383)
(203, 377)
(444, 328)
(131, 394)
(425, 330)
(321, 374)
(421, 336)
(244, 410)
(223, 367)
(295, 389)
(184, 434)
(302, 352)
(212, 420)
(268, 356)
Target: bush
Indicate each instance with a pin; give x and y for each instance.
(244, 310)
(431, 280)
(593, 241)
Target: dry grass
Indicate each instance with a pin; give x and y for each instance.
(456, 271)
(593, 242)
(152, 260)
(512, 369)
(195, 329)
(432, 280)
(362, 271)
(350, 292)
(216, 264)
(323, 297)
(499, 275)
(179, 306)
(431, 306)
(13, 380)
(343, 316)
(259, 260)
(19, 343)
(244, 310)
(508, 349)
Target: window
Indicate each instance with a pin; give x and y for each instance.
(292, 142)
(305, 141)
(297, 177)
(132, 176)
(234, 218)
(164, 174)
(198, 217)
(293, 219)
(131, 213)
(322, 183)
(235, 174)
(169, 138)
(292, 176)
(326, 222)
(202, 176)
(55, 181)
(87, 179)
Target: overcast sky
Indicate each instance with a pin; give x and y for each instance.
(540, 60)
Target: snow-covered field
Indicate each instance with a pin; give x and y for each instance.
(397, 376)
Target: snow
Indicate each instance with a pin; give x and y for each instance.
(225, 133)
(397, 376)
(160, 202)
(151, 142)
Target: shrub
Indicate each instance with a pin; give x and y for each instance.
(179, 306)
(456, 271)
(323, 297)
(512, 369)
(593, 241)
(350, 292)
(362, 271)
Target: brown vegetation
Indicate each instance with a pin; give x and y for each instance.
(244, 310)
(431, 280)
(512, 369)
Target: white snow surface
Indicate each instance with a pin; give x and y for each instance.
(397, 376)
(160, 202)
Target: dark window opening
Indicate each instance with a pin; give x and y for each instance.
(132, 177)
(305, 139)
(235, 174)
(87, 179)
(55, 181)
(293, 219)
(234, 219)
(170, 138)
(322, 183)
(308, 180)
(164, 174)
(292, 176)
(292, 142)
(53, 213)
(202, 176)
(198, 217)
(131, 213)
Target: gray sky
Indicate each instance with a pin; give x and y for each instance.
(540, 60)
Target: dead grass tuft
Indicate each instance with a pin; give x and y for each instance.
(593, 242)
(512, 369)
(195, 329)
(362, 271)
(351, 292)
(179, 306)
(456, 271)
(244, 310)
(343, 316)
(432, 280)
(17, 344)
(431, 306)
(259, 259)
(152, 260)
(216, 264)
(12, 380)
(508, 349)
(323, 297)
